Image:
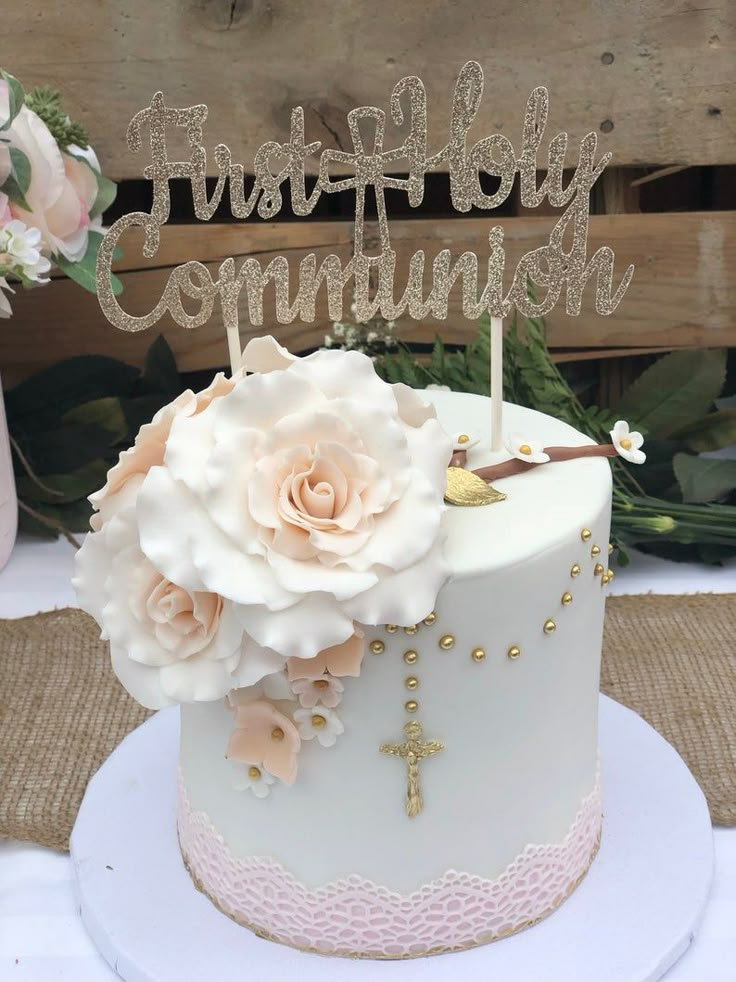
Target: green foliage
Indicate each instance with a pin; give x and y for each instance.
(678, 504)
(676, 389)
(68, 425)
(46, 103)
(19, 178)
(16, 98)
(84, 271)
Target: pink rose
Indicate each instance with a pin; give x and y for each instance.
(62, 189)
(126, 477)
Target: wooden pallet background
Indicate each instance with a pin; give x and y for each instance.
(652, 77)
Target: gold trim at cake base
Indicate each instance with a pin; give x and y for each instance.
(378, 956)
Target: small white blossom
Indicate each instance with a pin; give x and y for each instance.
(319, 722)
(325, 690)
(253, 777)
(531, 451)
(628, 443)
(20, 249)
(464, 441)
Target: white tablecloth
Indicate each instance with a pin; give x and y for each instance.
(41, 935)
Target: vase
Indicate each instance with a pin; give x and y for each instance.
(8, 502)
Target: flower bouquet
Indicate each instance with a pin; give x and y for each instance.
(52, 192)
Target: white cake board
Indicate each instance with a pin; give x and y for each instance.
(632, 917)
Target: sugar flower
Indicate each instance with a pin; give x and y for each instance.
(264, 737)
(524, 449)
(324, 691)
(310, 495)
(464, 441)
(628, 442)
(339, 660)
(319, 722)
(125, 478)
(251, 777)
(168, 644)
(274, 687)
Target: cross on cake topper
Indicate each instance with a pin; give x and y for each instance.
(551, 267)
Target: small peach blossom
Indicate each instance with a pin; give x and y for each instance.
(264, 736)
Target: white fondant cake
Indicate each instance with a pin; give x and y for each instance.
(389, 733)
(506, 679)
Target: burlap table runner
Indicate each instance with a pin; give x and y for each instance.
(62, 712)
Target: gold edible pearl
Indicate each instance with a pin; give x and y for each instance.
(277, 733)
(566, 599)
(254, 773)
(430, 619)
(625, 443)
(321, 684)
(585, 534)
(411, 705)
(595, 551)
(549, 626)
(611, 575)
(318, 722)
(574, 570)
(392, 628)
(525, 449)
(447, 641)
(477, 654)
(411, 682)
(377, 647)
(410, 656)
(597, 569)
(411, 629)
(513, 652)
(604, 579)
(463, 438)
(610, 548)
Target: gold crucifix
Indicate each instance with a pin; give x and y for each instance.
(413, 749)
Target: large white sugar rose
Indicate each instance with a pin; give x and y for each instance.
(310, 496)
(167, 644)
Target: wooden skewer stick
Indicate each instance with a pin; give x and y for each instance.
(515, 466)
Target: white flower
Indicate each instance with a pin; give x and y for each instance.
(325, 690)
(319, 722)
(523, 449)
(253, 777)
(167, 644)
(628, 443)
(464, 441)
(310, 496)
(5, 309)
(20, 249)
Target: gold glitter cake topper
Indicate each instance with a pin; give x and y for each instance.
(562, 263)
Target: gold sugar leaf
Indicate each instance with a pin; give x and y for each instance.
(467, 489)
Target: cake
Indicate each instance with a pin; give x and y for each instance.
(388, 701)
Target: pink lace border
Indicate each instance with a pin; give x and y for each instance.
(357, 918)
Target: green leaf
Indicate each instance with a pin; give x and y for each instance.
(678, 388)
(37, 403)
(84, 272)
(105, 414)
(19, 178)
(712, 432)
(73, 486)
(16, 98)
(704, 478)
(159, 371)
(107, 191)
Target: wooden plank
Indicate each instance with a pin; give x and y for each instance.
(681, 294)
(653, 77)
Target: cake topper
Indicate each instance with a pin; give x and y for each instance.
(562, 263)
